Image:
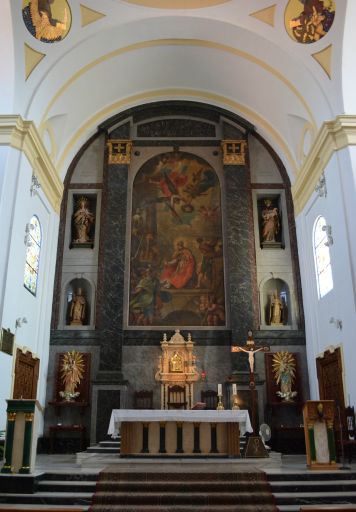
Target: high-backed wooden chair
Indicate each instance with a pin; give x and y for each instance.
(210, 398)
(177, 397)
(143, 399)
(349, 437)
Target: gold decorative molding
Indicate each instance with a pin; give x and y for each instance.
(324, 59)
(177, 4)
(332, 136)
(119, 151)
(127, 102)
(89, 16)
(234, 152)
(265, 15)
(32, 59)
(23, 135)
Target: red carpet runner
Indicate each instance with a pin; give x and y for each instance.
(244, 491)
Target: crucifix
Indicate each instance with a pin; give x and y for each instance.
(251, 349)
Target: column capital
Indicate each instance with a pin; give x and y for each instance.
(23, 135)
(332, 136)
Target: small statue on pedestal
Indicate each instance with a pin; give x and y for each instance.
(276, 310)
(77, 308)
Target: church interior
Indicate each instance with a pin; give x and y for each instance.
(178, 183)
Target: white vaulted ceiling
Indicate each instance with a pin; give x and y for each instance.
(139, 52)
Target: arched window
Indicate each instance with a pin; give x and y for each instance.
(324, 276)
(33, 240)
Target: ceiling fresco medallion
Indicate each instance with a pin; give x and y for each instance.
(177, 4)
(48, 21)
(308, 21)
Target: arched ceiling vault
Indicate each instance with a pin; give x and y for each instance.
(219, 54)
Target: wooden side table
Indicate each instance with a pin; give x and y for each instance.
(54, 429)
(73, 427)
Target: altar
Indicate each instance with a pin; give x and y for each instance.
(179, 432)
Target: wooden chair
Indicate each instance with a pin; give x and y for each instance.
(210, 397)
(177, 397)
(143, 399)
(349, 437)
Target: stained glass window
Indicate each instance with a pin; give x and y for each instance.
(33, 240)
(323, 269)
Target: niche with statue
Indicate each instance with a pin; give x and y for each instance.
(276, 304)
(270, 222)
(83, 221)
(78, 303)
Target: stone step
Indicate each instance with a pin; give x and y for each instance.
(66, 486)
(185, 508)
(149, 487)
(42, 508)
(110, 443)
(48, 498)
(311, 476)
(204, 498)
(68, 476)
(314, 486)
(102, 449)
(314, 498)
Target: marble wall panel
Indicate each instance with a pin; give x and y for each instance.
(112, 268)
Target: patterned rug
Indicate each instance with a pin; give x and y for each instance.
(123, 491)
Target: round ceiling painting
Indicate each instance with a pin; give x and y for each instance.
(308, 21)
(47, 20)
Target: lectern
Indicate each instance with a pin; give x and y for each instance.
(318, 418)
(21, 436)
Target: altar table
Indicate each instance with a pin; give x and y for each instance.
(184, 432)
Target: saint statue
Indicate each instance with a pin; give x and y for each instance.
(276, 310)
(284, 367)
(270, 222)
(83, 220)
(77, 308)
(72, 371)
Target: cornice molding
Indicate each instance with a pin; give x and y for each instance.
(23, 135)
(332, 136)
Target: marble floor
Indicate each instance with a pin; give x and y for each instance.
(276, 464)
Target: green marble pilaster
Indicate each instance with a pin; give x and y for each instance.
(26, 454)
(312, 444)
(10, 428)
(331, 443)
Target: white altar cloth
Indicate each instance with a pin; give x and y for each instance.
(192, 416)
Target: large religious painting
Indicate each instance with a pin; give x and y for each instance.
(47, 20)
(176, 256)
(308, 21)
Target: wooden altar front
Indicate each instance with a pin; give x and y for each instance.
(190, 433)
(177, 367)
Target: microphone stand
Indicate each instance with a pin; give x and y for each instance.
(341, 443)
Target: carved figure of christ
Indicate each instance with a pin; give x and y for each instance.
(250, 348)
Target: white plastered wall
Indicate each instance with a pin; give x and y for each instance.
(339, 303)
(20, 303)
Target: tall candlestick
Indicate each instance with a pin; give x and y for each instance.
(234, 389)
(219, 389)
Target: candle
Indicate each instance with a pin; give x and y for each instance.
(234, 389)
(219, 389)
